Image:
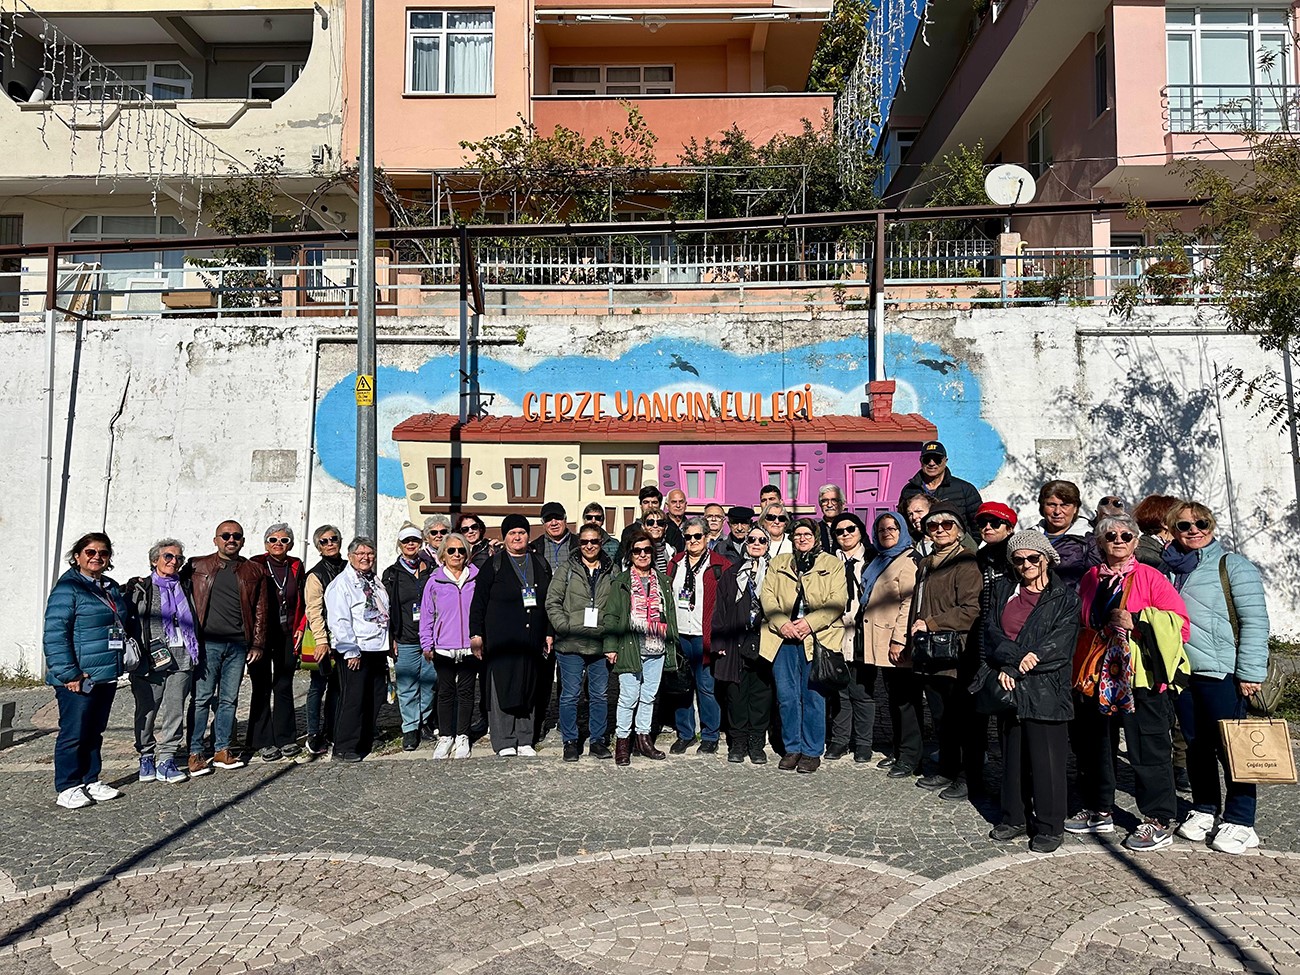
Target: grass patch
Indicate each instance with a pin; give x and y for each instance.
(19, 678)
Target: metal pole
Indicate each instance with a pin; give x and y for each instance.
(1291, 422)
(1227, 466)
(878, 302)
(367, 510)
(463, 384)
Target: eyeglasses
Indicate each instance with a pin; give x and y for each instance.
(454, 551)
(803, 536)
(593, 516)
(1118, 536)
(776, 517)
(589, 541)
(232, 537)
(408, 541)
(1033, 559)
(278, 541)
(890, 529)
(642, 550)
(96, 553)
(946, 525)
(983, 523)
(713, 517)
(364, 553)
(328, 540)
(436, 531)
(932, 459)
(466, 529)
(693, 536)
(831, 501)
(1112, 502)
(653, 522)
(1186, 526)
(169, 557)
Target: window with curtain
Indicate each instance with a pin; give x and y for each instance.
(449, 52)
(155, 80)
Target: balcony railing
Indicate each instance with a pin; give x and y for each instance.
(1233, 108)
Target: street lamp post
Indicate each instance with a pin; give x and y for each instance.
(367, 512)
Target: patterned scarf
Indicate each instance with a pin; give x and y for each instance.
(1115, 682)
(376, 610)
(647, 618)
(176, 614)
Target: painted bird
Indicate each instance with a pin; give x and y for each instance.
(943, 366)
(680, 363)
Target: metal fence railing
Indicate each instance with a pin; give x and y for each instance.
(1233, 108)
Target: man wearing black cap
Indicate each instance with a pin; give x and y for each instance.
(935, 480)
(739, 520)
(555, 547)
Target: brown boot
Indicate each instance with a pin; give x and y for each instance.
(646, 748)
(622, 751)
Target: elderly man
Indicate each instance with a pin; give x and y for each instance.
(830, 499)
(272, 724)
(715, 516)
(555, 546)
(230, 598)
(740, 520)
(936, 481)
(357, 605)
(675, 508)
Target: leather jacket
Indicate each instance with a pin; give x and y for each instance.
(253, 596)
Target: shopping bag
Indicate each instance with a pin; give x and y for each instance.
(1259, 750)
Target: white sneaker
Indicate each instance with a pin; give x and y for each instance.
(443, 748)
(527, 751)
(1234, 838)
(1197, 826)
(507, 753)
(462, 746)
(102, 791)
(74, 798)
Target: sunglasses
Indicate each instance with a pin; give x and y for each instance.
(776, 517)
(931, 458)
(589, 541)
(555, 518)
(328, 540)
(1186, 526)
(278, 541)
(96, 553)
(846, 531)
(946, 525)
(1022, 559)
(169, 557)
(654, 522)
(409, 541)
(594, 516)
(991, 523)
(231, 537)
(468, 528)
(642, 550)
(693, 536)
(756, 540)
(454, 551)
(436, 531)
(1112, 502)
(1119, 536)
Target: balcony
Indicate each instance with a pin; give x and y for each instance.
(1232, 108)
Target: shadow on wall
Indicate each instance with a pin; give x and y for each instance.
(944, 391)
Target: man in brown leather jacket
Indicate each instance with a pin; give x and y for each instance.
(233, 607)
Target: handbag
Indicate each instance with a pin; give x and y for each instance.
(830, 671)
(1259, 750)
(989, 694)
(935, 650)
(679, 682)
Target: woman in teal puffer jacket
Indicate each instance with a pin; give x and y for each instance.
(1228, 651)
(87, 623)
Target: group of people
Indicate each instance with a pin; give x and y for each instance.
(753, 625)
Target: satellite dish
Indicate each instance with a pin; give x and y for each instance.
(1010, 185)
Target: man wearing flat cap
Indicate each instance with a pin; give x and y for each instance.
(739, 520)
(937, 482)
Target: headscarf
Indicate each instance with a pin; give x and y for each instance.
(884, 556)
(176, 614)
(803, 561)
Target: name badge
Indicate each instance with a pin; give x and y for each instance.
(530, 597)
(161, 656)
(178, 641)
(116, 639)
(415, 613)
(684, 599)
(589, 617)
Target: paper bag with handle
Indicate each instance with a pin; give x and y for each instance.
(1259, 750)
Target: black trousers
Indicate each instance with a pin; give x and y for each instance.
(1033, 774)
(361, 695)
(455, 693)
(904, 689)
(961, 730)
(272, 722)
(852, 711)
(749, 703)
(1146, 736)
(542, 702)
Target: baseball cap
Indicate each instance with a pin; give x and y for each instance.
(998, 510)
(552, 509)
(933, 447)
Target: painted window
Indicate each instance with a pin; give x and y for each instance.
(525, 480)
(449, 52)
(1039, 154)
(612, 79)
(1100, 75)
(447, 480)
(1228, 68)
(622, 477)
(703, 484)
(155, 80)
(792, 479)
(273, 79)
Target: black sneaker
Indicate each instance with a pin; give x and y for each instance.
(707, 748)
(956, 791)
(317, 745)
(735, 754)
(270, 754)
(572, 751)
(934, 782)
(836, 752)
(291, 751)
(1005, 832)
(349, 757)
(599, 749)
(410, 741)
(680, 745)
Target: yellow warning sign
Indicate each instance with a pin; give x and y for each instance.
(365, 390)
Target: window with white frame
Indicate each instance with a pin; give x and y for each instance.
(154, 80)
(612, 79)
(703, 483)
(273, 79)
(449, 52)
(792, 479)
(1038, 155)
(1228, 68)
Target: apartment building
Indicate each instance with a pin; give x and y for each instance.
(1098, 99)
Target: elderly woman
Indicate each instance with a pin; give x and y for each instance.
(444, 641)
(803, 595)
(774, 519)
(1150, 514)
(852, 708)
(436, 528)
(414, 675)
(694, 573)
(87, 624)
(1029, 637)
(358, 610)
(323, 689)
(1059, 503)
(475, 533)
(509, 631)
(746, 678)
(915, 509)
(947, 601)
(272, 722)
(164, 681)
(1117, 682)
(640, 637)
(1228, 654)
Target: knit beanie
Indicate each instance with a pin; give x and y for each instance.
(1032, 541)
(511, 522)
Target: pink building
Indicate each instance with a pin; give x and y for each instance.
(1099, 99)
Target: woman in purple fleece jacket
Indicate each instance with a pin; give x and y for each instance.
(444, 638)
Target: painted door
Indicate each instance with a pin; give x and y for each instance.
(868, 486)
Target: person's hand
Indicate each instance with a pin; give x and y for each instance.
(254, 655)
(612, 657)
(354, 663)
(477, 651)
(392, 651)
(550, 645)
(74, 685)
(1028, 662)
(896, 651)
(297, 643)
(919, 626)
(476, 644)
(1247, 689)
(428, 655)
(787, 630)
(1007, 681)
(322, 651)
(802, 629)
(1121, 618)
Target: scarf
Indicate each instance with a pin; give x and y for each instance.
(691, 571)
(410, 565)
(1180, 564)
(646, 618)
(661, 555)
(1120, 574)
(884, 556)
(176, 614)
(749, 582)
(803, 561)
(376, 610)
(853, 563)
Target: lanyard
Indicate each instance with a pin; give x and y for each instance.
(526, 573)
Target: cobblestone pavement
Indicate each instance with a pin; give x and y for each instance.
(522, 866)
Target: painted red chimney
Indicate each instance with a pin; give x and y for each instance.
(881, 396)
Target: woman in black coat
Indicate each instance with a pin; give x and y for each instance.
(1029, 639)
(745, 677)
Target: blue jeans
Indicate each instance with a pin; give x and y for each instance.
(636, 696)
(803, 708)
(82, 720)
(573, 667)
(416, 681)
(1201, 706)
(710, 712)
(216, 689)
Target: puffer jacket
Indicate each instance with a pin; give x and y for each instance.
(77, 622)
(826, 593)
(1043, 693)
(444, 611)
(567, 599)
(1211, 648)
(1077, 548)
